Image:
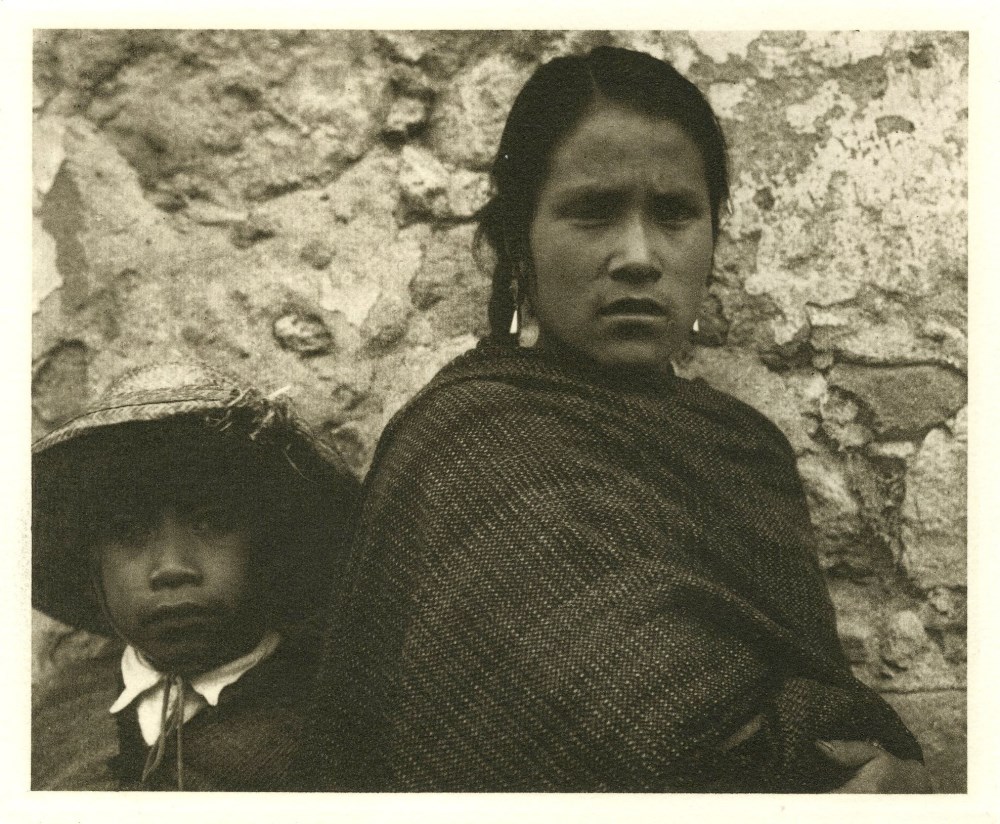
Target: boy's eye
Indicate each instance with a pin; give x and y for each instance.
(213, 520)
(128, 530)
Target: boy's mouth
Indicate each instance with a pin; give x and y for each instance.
(178, 615)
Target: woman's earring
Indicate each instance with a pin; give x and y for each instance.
(694, 328)
(529, 326)
(515, 326)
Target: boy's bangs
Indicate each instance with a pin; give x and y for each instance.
(206, 466)
(175, 461)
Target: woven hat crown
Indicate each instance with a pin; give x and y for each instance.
(155, 392)
(171, 375)
(158, 395)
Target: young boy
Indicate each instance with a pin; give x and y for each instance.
(201, 524)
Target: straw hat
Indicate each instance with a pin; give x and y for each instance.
(150, 396)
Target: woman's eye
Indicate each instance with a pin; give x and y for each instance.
(596, 214)
(596, 210)
(674, 211)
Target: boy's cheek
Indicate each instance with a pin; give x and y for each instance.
(122, 590)
(232, 586)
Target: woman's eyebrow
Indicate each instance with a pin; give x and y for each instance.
(683, 195)
(590, 193)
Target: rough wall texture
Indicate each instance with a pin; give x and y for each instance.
(297, 206)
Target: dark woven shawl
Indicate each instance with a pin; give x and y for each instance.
(569, 582)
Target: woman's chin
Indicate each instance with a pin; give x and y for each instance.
(632, 356)
(638, 363)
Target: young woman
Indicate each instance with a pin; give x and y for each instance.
(574, 570)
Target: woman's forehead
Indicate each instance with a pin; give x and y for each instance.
(615, 146)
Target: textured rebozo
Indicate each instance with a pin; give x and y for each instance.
(568, 582)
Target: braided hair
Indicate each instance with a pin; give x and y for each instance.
(552, 102)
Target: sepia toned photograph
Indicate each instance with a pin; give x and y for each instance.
(499, 411)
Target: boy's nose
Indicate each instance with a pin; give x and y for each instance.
(171, 546)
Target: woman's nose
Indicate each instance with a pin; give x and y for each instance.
(174, 561)
(634, 259)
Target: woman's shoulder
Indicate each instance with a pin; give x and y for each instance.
(466, 392)
(741, 418)
(472, 418)
(466, 398)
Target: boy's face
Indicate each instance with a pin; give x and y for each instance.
(178, 582)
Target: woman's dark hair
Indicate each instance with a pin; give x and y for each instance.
(551, 103)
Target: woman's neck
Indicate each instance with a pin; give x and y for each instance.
(558, 352)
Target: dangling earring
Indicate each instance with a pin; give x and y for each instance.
(514, 321)
(529, 327)
(694, 327)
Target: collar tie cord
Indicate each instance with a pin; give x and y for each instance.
(167, 726)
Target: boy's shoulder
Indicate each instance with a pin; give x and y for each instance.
(282, 679)
(250, 741)
(73, 734)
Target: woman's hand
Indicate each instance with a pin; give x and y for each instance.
(877, 770)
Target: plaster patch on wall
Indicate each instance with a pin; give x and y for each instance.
(47, 155)
(45, 277)
(719, 45)
(726, 98)
(352, 296)
(775, 58)
(802, 117)
(834, 49)
(934, 528)
(683, 58)
(674, 47)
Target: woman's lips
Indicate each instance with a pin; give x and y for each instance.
(634, 307)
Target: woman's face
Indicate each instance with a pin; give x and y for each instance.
(621, 240)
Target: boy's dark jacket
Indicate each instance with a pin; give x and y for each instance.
(246, 743)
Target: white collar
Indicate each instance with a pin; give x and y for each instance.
(144, 684)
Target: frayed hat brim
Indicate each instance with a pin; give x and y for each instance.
(61, 575)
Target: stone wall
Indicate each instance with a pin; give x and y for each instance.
(297, 206)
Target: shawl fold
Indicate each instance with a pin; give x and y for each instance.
(569, 581)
